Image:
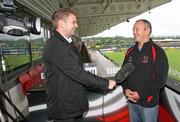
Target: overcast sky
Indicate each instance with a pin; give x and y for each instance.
(165, 21)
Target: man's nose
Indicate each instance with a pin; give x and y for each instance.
(76, 25)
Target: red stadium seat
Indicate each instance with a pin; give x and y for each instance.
(40, 69)
(26, 82)
(34, 75)
(32, 78)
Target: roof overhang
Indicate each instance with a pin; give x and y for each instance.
(93, 16)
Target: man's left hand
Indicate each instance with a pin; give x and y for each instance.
(133, 96)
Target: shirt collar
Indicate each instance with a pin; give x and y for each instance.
(67, 39)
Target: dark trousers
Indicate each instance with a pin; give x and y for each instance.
(76, 119)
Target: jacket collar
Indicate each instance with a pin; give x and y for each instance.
(149, 43)
(58, 36)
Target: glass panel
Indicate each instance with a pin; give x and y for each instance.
(14, 51)
(37, 48)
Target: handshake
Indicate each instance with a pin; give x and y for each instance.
(112, 84)
(122, 75)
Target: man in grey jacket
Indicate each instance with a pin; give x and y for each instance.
(66, 79)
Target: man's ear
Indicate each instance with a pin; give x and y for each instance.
(61, 24)
(147, 30)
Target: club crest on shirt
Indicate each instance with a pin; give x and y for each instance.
(130, 59)
(145, 59)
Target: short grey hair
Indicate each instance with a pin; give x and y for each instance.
(147, 23)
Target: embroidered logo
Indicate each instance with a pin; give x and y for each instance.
(145, 59)
(130, 59)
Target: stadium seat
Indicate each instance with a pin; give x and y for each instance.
(34, 74)
(40, 69)
(26, 82)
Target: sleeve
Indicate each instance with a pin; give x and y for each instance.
(65, 61)
(124, 84)
(161, 71)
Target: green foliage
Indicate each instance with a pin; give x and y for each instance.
(37, 42)
(22, 43)
(105, 42)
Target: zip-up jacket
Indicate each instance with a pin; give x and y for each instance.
(149, 76)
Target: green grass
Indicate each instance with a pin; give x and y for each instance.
(173, 55)
(13, 61)
(117, 57)
(174, 58)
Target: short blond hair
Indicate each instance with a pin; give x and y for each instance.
(61, 14)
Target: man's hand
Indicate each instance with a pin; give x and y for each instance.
(132, 95)
(112, 84)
